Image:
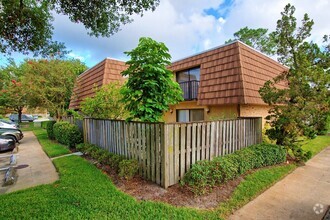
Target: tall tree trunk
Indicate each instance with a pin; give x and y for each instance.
(19, 111)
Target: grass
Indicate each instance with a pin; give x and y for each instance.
(253, 185)
(52, 148)
(27, 126)
(317, 144)
(84, 192)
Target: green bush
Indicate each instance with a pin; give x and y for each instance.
(68, 134)
(128, 168)
(114, 161)
(50, 128)
(206, 174)
(44, 124)
(101, 155)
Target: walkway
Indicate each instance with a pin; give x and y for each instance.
(296, 196)
(40, 169)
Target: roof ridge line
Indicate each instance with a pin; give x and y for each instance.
(241, 71)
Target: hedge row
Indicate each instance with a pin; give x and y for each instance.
(50, 129)
(125, 168)
(206, 174)
(67, 134)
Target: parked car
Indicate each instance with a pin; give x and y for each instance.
(7, 143)
(26, 118)
(14, 133)
(8, 124)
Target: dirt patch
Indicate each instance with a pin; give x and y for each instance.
(176, 195)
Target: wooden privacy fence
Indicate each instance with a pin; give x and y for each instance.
(187, 143)
(166, 151)
(141, 141)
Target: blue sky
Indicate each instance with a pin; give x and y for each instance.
(186, 27)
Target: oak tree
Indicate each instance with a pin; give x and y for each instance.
(26, 25)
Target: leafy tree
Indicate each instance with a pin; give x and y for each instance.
(256, 38)
(13, 94)
(150, 88)
(298, 110)
(106, 103)
(26, 25)
(51, 83)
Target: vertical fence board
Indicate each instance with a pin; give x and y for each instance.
(203, 141)
(193, 143)
(182, 150)
(153, 153)
(157, 153)
(188, 148)
(165, 170)
(198, 143)
(170, 150)
(177, 153)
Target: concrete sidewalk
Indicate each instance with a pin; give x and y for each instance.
(38, 170)
(303, 194)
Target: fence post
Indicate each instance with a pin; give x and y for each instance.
(164, 158)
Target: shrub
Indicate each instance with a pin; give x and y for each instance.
(101, 155)
(206, 174)
(128, 168)
(81, 147)
(114, 161)
(67, 134)
(50, 128)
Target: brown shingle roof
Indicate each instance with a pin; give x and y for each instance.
(108, 70)
(231, 74)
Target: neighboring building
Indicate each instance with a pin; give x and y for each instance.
(106, 71)
(217, 84)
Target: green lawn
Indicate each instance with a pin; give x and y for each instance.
(84, 192)
(52, 148)
(317, 144)
(27, 126)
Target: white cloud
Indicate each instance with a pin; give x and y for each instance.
(79, 57)
(181, 26)
(185, 27)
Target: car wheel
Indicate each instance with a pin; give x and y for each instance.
(12, 136)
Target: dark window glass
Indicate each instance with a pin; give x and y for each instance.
(182, 77)
(188, 75)
(189, 115)
(197, 115)
(194, 74)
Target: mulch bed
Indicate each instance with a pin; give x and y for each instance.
(175, 195)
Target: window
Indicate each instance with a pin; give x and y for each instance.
(189, 82)
(188, 115)
(188, 75)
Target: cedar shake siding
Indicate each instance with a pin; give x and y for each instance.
(231, 74)
(103, 73)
